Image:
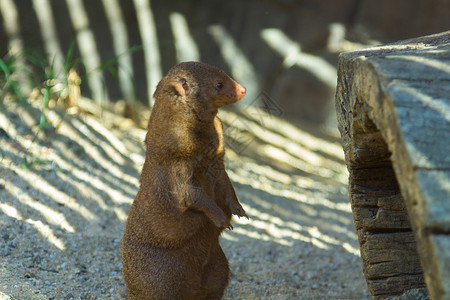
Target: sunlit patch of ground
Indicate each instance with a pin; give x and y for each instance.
(64, 199)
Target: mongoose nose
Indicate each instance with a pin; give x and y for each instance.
(241, 91)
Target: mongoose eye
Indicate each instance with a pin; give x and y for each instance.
(219, 85)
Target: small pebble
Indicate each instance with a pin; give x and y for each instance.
(5, 251)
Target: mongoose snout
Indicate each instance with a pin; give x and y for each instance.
(238, 92)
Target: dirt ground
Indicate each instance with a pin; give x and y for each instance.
(64, 200)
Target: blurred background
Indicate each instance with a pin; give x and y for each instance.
(287, 49)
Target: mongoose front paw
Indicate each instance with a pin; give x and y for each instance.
(220, 220)
(236, 209)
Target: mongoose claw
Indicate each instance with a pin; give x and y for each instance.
(238, 211)
(243, 214)
(230, 227)
(220, 220)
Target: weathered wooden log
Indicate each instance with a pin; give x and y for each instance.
(393, 109)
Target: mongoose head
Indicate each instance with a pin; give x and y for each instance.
(199, 86)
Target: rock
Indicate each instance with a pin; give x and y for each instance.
(392, 108)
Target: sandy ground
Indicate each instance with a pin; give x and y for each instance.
(64, 200)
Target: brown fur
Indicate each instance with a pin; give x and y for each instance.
(171, 243)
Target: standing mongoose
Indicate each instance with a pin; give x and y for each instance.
(171, 244)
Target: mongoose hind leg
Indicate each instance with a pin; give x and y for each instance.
(217, 276)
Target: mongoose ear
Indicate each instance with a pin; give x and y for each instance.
(180, 86)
